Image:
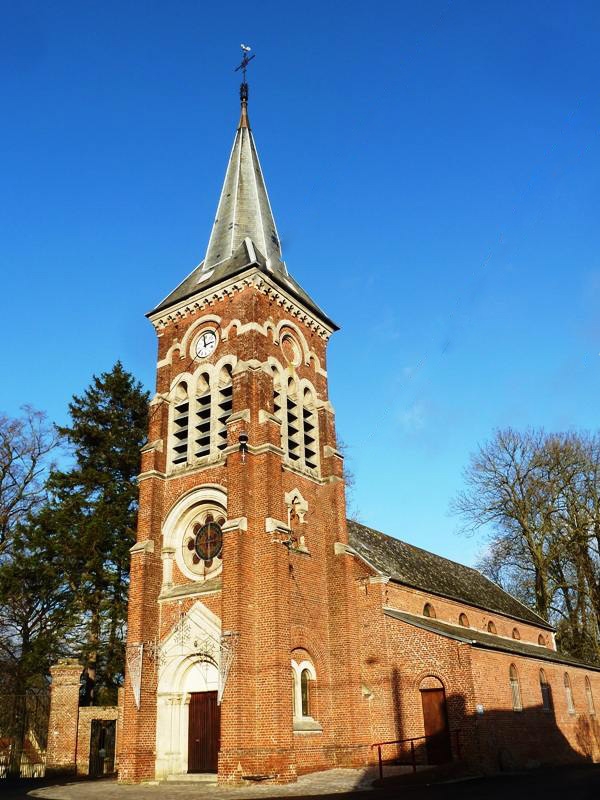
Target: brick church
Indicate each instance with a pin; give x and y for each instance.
(268, 635)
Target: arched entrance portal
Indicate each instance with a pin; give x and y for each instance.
(188, 718)
(435, 721)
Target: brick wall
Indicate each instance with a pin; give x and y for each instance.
(69, 726)
(413, 601)
(86, 715)
(486, 732)
(533, 736)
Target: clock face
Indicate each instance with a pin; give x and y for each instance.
(206, 344)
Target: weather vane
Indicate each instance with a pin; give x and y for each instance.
(246, 59)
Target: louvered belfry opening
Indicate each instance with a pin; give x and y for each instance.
(224, 406)
(181, 422)
(310, 431)
(277, 397)
(293, 424)
(203, 417)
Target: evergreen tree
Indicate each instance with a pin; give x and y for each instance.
(92, 516)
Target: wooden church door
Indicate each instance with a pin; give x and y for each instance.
(437, 732)
(203, 732)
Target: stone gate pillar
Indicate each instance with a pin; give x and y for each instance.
(64, 717)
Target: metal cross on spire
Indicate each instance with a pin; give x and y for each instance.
(246, 59)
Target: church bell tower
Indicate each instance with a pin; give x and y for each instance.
(241, 652)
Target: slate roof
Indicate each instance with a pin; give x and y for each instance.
(420, 569)
(484, 640)
(244, 233)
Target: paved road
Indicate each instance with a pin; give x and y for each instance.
(573, 783)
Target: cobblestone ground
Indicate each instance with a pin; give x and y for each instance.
(334, 781)
(571, 783)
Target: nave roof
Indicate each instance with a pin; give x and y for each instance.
(420, 569)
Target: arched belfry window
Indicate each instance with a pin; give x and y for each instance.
(201, 406)
(295, 406)
(181, 424)
(515, 689)
(516, 634)
(429, 611)
(463, 620)
(491, 627)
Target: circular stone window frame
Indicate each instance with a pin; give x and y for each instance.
(182, 517)
(287, 336)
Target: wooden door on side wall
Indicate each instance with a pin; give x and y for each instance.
(437, 731)
(203, 732)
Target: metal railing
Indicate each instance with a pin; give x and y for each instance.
(23, 734)
(413, 755)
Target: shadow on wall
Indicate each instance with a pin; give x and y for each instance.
(491, 740)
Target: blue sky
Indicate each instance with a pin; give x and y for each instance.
(434, 170)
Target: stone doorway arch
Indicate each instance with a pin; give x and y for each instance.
(188, 668)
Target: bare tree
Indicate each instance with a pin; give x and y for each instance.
(537, 496)
(352, 510)
(25, 444)
(504, 492)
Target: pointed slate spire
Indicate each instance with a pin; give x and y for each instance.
(244, 234)
(244, 211)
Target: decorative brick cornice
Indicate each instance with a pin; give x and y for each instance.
(251, 278)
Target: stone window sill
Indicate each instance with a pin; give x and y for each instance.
(307, 725)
